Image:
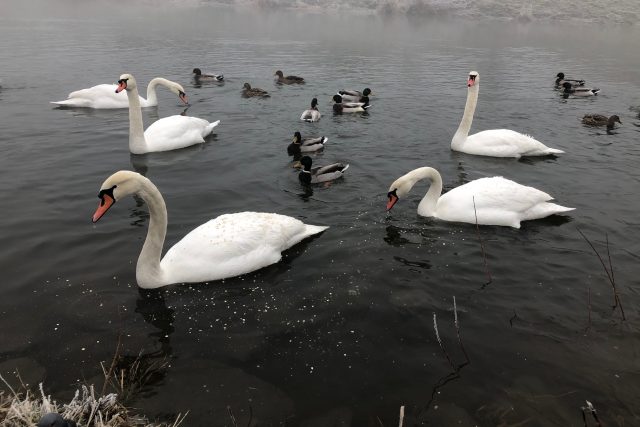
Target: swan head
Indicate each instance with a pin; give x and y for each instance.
(474, 79)
(297, 138)
(398, 190)
(126, 82)
(116, 187)
(337, 99)
(179, 91)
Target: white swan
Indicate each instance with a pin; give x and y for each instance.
(169, 133)
(228, 246)
(105, 96)
(495, 201)
(496, 142)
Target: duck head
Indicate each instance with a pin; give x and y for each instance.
(306, 162)
(366, 91)
(337, 99)
(247, 86)
(314, 104)
(560, 76)
(297, 138)
(566, 86)
(612, 121)
(197, 72)
(279, 74)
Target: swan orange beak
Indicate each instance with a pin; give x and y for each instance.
(105, 203)
(470, 82)
(183, 98)
(122, 85)
(393, 199)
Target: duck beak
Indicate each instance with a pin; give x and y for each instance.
(122, 85)
(393, 199)
(619, 121)
(105, 203)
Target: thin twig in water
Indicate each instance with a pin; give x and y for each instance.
(107, 375)
(233, 419)
(589, 306)
(514, 317)
(592, 410)
(455, 321)
(444, 350)
(401, 416)
(484, 257)
(608, 271)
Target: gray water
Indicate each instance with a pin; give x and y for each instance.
(340, 332)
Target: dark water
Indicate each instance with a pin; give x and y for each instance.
(342, 329)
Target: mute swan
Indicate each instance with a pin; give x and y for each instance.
(105, 96)
(199, 75)
(600, 120)
(560, 80)
(249, 92)
(228, 246)
(320, 173)
(169, 133)
(348, 107)
(355, 95)
(312, 114)
(578, 91)
(280, 78)
(495, 142)
(498, 201)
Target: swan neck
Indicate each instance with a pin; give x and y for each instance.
(429, 202)
(149, 273)
(152, 97)
(467, 118)
(137, 143)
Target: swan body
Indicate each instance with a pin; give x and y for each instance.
(350, 95)
(199, 75)
(104, 96)
(281, 78)
(312, 114)
(169, 133)
(600, 120)
(560, 80)
(250, 92)
(227, 246)
(495, 201)
(568, 89)
(496, 142)
(320, 174)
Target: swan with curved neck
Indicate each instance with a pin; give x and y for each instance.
(495, 142)
(488, 201)
(104, 96)
(228, 246)
(169, 133)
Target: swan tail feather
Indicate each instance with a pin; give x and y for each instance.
(209, 128)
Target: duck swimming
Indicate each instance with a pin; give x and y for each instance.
(568, 89)
(560, 80)
(199, 75)
(281, 78)
(348, 107)
(600, 120)
(312, 114)
(355, 96)
(320, 173)
(308, 145)
(251, 92)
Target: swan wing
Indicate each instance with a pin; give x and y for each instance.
(173, 132)
(505, 143)
(102, 96)
(496, 201)
(233, 244)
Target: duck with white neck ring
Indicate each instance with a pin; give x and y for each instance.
(227, 246)
(309, 175)
(168, 133)
(495, 142)
(487, 201)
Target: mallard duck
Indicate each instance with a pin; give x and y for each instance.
(320, 173)
(347, 107)
(355, 95)
(281, 78)
(600, 120)
(310, 144)
(249, 92)
(560, 80)
(312, 114)
(199, 75)
(568, 89)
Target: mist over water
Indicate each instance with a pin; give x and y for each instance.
(340, 332)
